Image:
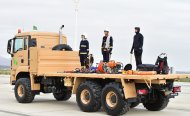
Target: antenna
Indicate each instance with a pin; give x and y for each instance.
(76, 22)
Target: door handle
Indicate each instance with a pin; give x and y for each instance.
(22, 60)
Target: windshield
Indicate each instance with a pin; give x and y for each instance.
(18, 44)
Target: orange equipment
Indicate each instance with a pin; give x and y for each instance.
(111, 64)
(144, 72)
(131, 72)
(100, 67)
(110, 67)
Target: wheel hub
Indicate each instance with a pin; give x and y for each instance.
(111, 99)
(85, 96)
(20, 90)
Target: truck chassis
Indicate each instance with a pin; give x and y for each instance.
(116, 93)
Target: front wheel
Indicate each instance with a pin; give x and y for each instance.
(113, 100)
(159, 103)
(23, 91)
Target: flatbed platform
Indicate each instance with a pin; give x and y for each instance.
(118, 76)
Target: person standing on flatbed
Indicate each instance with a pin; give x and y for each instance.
(137, 46)
(107, 46)
(83, 49)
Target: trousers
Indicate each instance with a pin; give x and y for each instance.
(106, 56)
(138, 57)
(82, 59)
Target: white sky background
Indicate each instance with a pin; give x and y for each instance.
(165, 25)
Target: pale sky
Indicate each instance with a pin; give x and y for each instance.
(165, 25)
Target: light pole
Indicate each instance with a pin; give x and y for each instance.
(76, 22)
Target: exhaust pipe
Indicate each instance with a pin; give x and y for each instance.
(60, 35)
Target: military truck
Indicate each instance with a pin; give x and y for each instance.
(37, 68)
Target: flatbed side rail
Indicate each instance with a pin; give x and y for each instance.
(117, 76)
(147, 79)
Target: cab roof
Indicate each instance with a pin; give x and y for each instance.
(37, 33)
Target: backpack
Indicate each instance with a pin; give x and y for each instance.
(161, 65)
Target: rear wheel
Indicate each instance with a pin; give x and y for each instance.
(88, 96)
(158, 104)
(64, 96)
(23, 91)
(113, 100)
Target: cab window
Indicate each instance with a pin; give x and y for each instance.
(18, 44)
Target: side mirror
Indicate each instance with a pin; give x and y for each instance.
(9, 46)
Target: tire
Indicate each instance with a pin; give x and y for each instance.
(88, 96)
(135, 104)
(23, 91)
(160, 103)
(64, 96)
(113, 100)
(61, 47)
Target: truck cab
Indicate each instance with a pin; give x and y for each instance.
(23, 59)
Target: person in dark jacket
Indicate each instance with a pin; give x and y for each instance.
(83, 49)
(107, 46)
(137, 46)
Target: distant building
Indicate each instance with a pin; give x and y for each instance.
(182, 72)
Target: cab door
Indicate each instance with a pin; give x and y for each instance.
(20, 55)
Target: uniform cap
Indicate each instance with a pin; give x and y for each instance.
(106, 30)
(85, 35)
(163, 55)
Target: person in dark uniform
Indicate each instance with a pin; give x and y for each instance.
(83, 49)
(137, 46)
(107, 46)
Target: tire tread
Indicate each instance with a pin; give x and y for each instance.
(124, 105)
(29, 96)
(160, 104)
(96, 91)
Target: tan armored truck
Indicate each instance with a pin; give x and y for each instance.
(43, 62)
